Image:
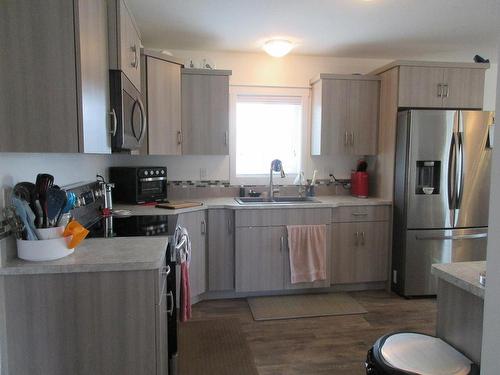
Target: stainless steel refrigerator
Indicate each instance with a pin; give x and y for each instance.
(442, 182)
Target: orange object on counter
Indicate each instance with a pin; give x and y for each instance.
(77, 231)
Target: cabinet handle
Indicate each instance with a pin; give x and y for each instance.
(282, 243)
(356, 214)
(352, 138)
(229, 226)
(356, 238)
(226, 138)
(135, 62)
(170, 296)
(203, 227)
(440, 90)
(446, 91)
(114, 122)
(179, 137)
(363, 238)
(346, 138)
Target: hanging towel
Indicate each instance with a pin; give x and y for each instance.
(184, 258)
(307, 249)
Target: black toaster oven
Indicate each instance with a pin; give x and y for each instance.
(139, 184)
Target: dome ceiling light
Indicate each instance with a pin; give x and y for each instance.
(278, 47)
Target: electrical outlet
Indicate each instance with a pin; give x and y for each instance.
(203, 173)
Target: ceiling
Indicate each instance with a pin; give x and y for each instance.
(341, 28)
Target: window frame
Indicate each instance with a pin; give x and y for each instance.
(263, 179)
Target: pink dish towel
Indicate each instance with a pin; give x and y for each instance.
(307, 249)
(185, 293)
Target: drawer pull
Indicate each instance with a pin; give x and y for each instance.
(357, 214)
(356, 238)
(362, 238)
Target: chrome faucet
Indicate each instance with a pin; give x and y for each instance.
(276, 166)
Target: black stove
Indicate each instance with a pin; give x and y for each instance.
(133, 226)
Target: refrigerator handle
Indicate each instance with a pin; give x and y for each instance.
(460, 167)
(452, 171)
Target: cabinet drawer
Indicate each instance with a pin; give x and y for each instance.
(282, 216)
(361, 213)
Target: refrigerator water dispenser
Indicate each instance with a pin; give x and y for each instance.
(428, 177)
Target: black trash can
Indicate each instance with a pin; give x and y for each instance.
(405, 353)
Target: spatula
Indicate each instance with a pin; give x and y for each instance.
(56, 200)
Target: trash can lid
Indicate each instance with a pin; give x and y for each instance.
(423, 354)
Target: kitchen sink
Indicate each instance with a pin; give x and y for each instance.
(276, 200)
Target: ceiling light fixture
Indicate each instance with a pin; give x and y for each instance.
(278, 47)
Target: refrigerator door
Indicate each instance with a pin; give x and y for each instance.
(426, 247)
(473, 169)
(431, 140)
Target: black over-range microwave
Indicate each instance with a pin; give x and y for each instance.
(129, 116)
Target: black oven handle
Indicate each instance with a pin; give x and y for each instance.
(142, 133)
(153, 179)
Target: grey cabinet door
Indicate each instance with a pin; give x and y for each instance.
(162, 337)
(259, 258)
(205, 114)
(164, 106)
(330, 109)
(94, 77)
(220, 249)
(359, 252)
(38, 85)
(195, 223)
(465, 88)
(419, 87)
(363, 116)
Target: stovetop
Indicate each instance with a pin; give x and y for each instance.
(133, 226)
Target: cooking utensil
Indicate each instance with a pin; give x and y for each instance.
(38, 214)
(20, 209)
(362, 166)
(56, 200)
(43, 183)
(25, 190)
(15, 224)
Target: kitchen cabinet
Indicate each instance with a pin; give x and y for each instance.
(124, 42)
(262, 260)
(344, 114)
(220, 250)
(84, 323)
(195, 223)
(205, 112)
(360, 245)
(54, 91)
(162, 94)
(440, 87)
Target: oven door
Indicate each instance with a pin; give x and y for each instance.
(128, 113)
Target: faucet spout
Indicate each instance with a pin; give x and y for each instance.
(276, 166)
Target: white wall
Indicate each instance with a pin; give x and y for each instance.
(491, 327)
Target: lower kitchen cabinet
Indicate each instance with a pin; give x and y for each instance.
(196, 225)
(84, 323)
(259, 258)
(220, 250)
(360, 252)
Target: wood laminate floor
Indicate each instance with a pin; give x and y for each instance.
(326, 345)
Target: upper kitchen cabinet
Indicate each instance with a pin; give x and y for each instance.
(344, 114)
(124, 42)
(441, 87)
(162, 95)
(205, 112)
(54, 83)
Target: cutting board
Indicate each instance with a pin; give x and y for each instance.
(175, 205)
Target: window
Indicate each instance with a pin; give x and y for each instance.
(267, 124)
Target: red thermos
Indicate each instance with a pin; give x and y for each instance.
(359, 184)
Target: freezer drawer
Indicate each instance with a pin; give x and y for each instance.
(426, 247)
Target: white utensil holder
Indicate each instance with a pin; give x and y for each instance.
(43, 250)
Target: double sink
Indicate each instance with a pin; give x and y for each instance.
(275, 200)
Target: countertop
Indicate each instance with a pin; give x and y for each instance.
(464, 275)
(327, 201)
(98, 255)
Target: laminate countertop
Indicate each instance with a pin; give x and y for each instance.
(98, 255)
(464, 275)
(327, 201)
